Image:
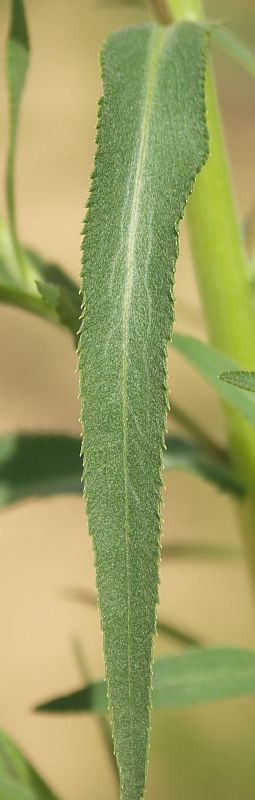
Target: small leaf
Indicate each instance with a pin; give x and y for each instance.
(38, 465)
(210, 364)
(64, 302)
(18, 779)
(234, 47)
(240, 378)
(183, 454)
(195, 677)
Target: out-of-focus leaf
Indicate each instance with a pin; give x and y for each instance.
(241, 378)
(42, 464)
(210, 363)
(18, 779)
(234, 47)
(38, 465)
(200, 550)
(183, 454)
(195, 677)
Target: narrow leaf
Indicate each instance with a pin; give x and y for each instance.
(210, 364)
(195, 677)
(38, 465)
(17, 62)
(152, 141)
(234, 47)
(18, 779)
(240, 378)
(173, 632)
(182, 454)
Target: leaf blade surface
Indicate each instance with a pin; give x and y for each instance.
(148, 118)
(195, 677)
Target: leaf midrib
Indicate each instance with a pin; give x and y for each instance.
(153, 57)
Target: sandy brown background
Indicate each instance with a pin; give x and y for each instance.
(195, 755)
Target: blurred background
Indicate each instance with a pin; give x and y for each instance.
(196, 754)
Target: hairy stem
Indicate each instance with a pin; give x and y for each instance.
(223, 277)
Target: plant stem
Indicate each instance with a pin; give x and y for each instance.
(200, 435)
(223, 277)
(20, 298)
(185, 9)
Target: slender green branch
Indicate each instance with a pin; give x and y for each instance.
(185, 9)
(223, 277)
(18, 297)
(200, 435)
(10, 194)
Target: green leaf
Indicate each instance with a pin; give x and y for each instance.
(51, 293)
(234, 47)
(240, 378)
(182, 454)
(17, 62)
(38, 465)
(210, 364)
(152, 141)
(43, 464)
(173, 632)
(200, 550)
(195, 677)
(18, 779)
(64, 302)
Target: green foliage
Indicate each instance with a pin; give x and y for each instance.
(195, 677)
(152, 142)
(130, 251)
(38, 465)
(240, 378)
(43, 464)
(18, 779)
(182, 454)
(200, 550)
(211, 364)
(51, 293)
(167, 629)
